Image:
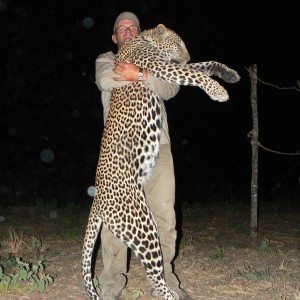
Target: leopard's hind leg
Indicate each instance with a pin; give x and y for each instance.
(141, 235)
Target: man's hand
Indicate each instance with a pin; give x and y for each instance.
(127, 71)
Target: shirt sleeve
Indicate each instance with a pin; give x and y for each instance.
(104, 74)
(164, 89)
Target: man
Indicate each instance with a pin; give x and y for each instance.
(160, 189)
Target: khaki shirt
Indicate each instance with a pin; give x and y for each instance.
(104, 80)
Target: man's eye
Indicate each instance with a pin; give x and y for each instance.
(124, 28)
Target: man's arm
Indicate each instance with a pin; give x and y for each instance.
(104, 73)
(106, 77)
(164, 89)
(128, 71)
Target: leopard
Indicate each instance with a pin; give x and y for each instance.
(130, 147)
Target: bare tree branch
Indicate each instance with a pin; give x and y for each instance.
(278, 87)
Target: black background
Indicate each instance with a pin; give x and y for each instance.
(49, 99)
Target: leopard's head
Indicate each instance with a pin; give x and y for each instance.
(168, 43)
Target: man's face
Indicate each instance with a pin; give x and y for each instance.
(125, 30)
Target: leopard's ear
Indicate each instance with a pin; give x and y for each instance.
(160, 31)
(161, 28)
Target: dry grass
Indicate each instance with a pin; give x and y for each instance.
(215, 262)
(17, 241)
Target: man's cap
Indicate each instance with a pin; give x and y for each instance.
(127, 15)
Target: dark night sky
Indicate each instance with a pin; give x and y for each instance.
(49, 99)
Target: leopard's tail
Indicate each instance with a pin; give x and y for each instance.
(93, 228)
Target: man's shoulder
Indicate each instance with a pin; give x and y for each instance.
(107, 56)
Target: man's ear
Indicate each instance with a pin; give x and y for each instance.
(113, 37)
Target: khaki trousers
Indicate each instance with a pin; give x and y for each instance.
(160, 196)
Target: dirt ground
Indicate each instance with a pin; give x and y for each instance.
(217, 259)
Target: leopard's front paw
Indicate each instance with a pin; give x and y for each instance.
(230, 75)
(218, 94)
